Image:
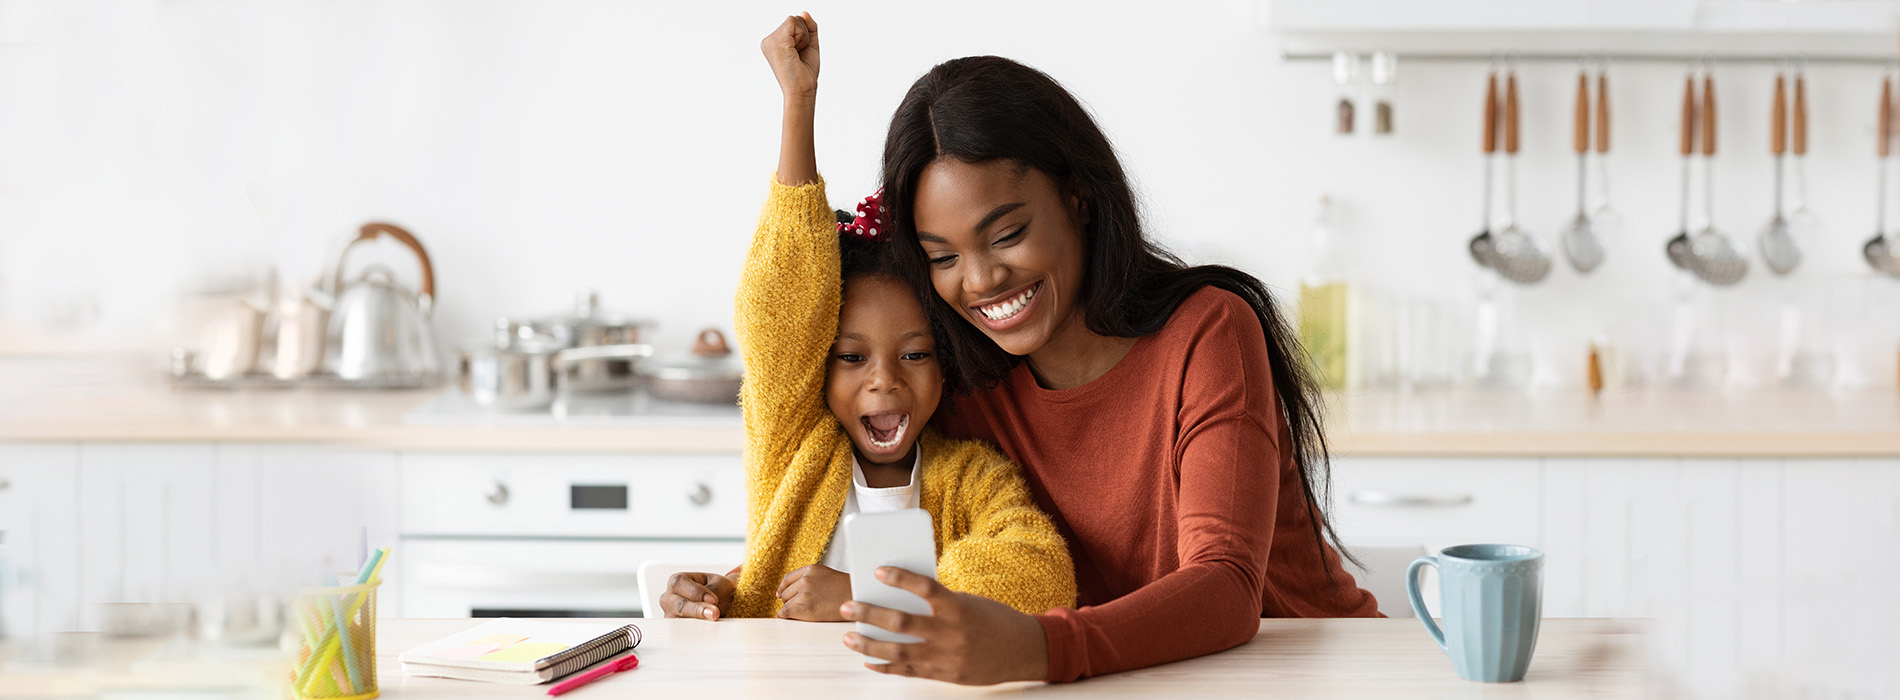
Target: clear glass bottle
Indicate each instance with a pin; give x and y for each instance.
(1324, 295)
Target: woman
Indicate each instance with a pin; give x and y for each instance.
(1162, 413)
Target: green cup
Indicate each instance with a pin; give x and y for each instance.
(1491, 597)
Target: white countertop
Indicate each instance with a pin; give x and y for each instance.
(67, 400)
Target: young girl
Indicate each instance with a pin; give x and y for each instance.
(837, 394)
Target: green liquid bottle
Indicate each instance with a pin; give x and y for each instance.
(1324, 294)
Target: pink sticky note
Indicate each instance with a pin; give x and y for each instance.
(468, 651)
(500, 640)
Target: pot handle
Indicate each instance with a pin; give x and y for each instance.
(711, 343)
(370, 232)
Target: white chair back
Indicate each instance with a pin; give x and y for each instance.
(1384, 573)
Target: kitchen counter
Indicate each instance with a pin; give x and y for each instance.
(1340, 658)
(80, 401)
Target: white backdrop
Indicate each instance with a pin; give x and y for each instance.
(150, 148)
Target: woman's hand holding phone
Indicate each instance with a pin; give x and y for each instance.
(967, 639)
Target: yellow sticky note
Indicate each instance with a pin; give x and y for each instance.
(525, 652)
(501, 640)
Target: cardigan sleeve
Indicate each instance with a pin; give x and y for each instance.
(785, 317)
(1005, 549)
(1229, 462)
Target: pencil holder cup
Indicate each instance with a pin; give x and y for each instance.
(336, 643)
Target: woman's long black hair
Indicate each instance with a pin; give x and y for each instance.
(984, 108)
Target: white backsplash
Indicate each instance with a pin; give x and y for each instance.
(537, 149)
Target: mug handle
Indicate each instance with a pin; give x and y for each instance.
(1418, 600)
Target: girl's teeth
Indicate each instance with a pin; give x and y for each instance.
(896, 436)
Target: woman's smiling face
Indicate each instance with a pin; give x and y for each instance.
(1005, 248)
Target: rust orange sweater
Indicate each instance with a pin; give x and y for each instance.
(1172, 480)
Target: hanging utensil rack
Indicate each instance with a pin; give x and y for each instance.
(1616, 57)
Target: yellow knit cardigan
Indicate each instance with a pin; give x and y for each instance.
(991, 540)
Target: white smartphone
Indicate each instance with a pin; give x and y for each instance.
(900, 538)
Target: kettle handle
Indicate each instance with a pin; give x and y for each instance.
(370, 232)
(712, 344)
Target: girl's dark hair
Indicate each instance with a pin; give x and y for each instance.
(985, 108)
(859, 258)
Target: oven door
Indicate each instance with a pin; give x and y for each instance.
(539, 577)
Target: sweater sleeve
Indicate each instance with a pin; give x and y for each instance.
(1008, 551)
(785, 317)
(1230, 465)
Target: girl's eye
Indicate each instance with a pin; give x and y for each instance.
(849, 357)
(916, 356)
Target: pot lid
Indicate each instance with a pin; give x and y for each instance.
(710, 360)
(587, 314)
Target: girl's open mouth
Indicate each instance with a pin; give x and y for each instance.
(886, 430)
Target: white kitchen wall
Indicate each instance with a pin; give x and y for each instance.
(538, 148)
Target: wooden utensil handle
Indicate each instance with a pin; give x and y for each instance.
(1800, 115)
(1510, 113)
(1708, 115)
(1779, 139)
(1688, 116)
(1603, 112)
(1886, 116)
(1491, 116)
(1583, 113)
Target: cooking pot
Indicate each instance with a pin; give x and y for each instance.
(379, 331)
(710, 374)
(525, 373)
(590, 327)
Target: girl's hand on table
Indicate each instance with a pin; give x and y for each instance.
(813, 594)
(699, 595)
(967, 639)
(792, 49)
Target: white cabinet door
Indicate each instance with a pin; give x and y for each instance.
(1436, 502)
(39, 540)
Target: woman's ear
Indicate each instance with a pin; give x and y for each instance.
(1078, 196)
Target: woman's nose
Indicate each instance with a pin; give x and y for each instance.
(983, 277)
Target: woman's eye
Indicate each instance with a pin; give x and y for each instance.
(1012, 235)
(942, 260)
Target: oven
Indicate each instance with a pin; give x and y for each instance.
(558, 536)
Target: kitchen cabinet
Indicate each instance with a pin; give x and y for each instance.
(39, 538)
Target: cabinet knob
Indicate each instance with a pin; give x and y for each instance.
(497, 493)
(700, 495)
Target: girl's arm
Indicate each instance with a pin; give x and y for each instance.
(1008, 550)
(786, 311)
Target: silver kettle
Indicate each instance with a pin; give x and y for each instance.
(380, 333)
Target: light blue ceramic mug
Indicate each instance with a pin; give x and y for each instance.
(1491, 597)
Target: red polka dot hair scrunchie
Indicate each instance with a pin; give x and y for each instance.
(869, 224)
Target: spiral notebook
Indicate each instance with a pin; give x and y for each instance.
(519, 651)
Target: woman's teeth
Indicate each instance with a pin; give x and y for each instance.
(1004, 310)
(889, 426)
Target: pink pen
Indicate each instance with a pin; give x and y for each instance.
(626, 664)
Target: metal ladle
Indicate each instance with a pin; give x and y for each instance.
(1880, 252)
(1608, 224)
(1480, 245)
(1714, 257)
(1515, 253)
(1803, 223)
(1678, 246)
(1579, 238)
(1778, 247)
